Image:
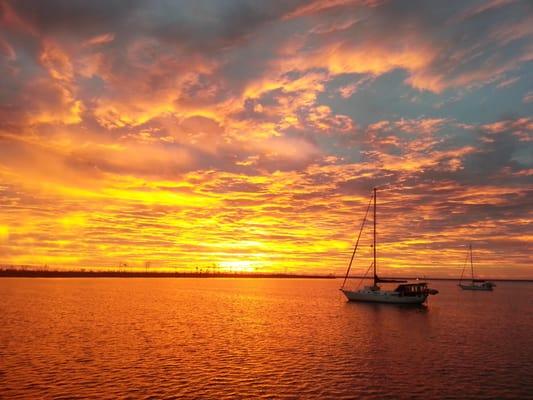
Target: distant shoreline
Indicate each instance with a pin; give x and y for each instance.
(12, 273)
(18, 273)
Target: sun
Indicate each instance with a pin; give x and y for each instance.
(237, 266)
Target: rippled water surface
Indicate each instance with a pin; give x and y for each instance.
(258, 338)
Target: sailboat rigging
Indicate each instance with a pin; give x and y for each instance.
(405, 293)
(475, 284)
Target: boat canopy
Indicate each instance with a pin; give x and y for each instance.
(413, 284)
(411, 288)
(385, 280)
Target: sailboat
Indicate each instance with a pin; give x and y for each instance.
(475, 284)
(405, 293)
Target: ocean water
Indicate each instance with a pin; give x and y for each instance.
(259, 338)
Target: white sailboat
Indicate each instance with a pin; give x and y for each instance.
(475, 284)
(405, 293)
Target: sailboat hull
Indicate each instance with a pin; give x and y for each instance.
(389, 297)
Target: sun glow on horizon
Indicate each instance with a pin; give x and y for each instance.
(239, 266)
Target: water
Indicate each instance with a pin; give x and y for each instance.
(258, 338)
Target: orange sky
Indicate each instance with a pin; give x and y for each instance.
(249, 135)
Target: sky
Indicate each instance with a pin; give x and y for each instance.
(248, 135)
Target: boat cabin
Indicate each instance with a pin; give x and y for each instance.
(412, 289)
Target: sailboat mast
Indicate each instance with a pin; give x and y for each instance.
(375, 243)
(471, 263)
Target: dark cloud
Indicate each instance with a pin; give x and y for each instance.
(206, 23)
(78, 18)
(209, 23)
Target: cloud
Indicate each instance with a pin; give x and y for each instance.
(100, 39)
(238, 131)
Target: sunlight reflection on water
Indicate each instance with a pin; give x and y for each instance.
(254, 338)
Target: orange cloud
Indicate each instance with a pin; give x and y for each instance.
(100, 39)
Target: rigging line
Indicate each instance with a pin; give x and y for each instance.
(471, 264)
(464, 267)
(364, 276)
(357, 243)
(375, 241)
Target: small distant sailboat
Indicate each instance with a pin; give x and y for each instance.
(405, 293)
(475, 284)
